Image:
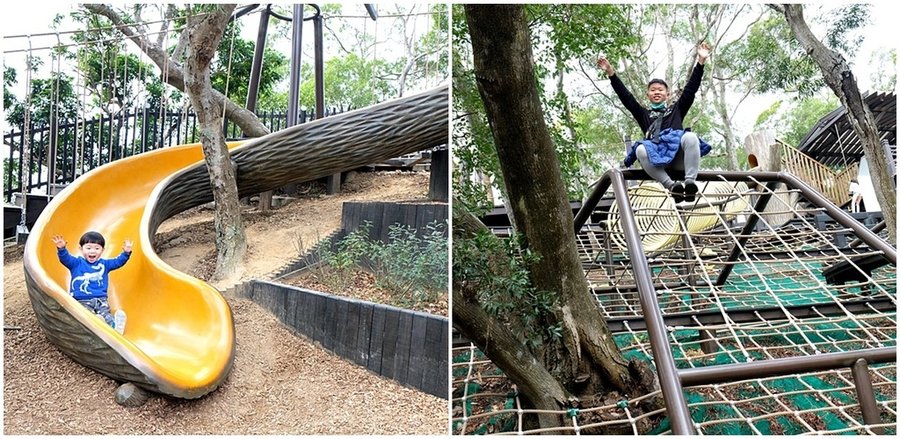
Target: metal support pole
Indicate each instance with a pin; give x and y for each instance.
(332, 182)
(669, 381)
(610, 262)
(707, 343)
(761, 204)
(296, 51)
(319, 66)
(54, 145)
(866, 395)
(256, 68)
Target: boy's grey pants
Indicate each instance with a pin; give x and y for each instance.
(687, 159)
(100, 306)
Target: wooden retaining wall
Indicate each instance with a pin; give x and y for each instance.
(407, 346)
(383, 214)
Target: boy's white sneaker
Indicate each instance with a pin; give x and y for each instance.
(120, 321)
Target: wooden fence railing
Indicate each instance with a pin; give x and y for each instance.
(834, 185)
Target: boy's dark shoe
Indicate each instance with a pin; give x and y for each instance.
(677, 191)
(690, 191)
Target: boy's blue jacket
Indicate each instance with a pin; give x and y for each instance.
(90, 281)
(662, 153)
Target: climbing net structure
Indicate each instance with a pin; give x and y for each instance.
(776, 310)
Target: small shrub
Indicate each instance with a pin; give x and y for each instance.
(412, 269)
(337, 266)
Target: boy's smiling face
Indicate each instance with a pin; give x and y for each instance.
(91, 252)
(657, 93)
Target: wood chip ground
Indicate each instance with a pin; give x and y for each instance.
(280, 384)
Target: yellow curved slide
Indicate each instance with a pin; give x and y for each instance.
(179, 333)
(179, 337)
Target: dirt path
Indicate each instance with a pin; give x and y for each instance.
(281, 383)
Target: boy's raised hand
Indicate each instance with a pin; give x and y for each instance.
(603, 64)
(703, 51)
(127, 247)
(59, 241)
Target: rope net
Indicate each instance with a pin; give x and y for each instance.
(798, 286)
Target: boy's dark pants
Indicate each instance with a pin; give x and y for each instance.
(99, 306)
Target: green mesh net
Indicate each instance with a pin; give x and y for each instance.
(776, 302)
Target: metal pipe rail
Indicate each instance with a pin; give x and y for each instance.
(783, 366)
(669, 381)
(746, 315)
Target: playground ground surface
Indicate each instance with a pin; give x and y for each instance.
(280, 384)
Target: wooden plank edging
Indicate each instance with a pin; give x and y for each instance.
(410, 347)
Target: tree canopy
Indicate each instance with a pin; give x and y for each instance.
(755, 59)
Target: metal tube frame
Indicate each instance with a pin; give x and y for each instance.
(843, 218)
(671, 379)
(866, 394)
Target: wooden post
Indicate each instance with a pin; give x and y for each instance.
(439, 183)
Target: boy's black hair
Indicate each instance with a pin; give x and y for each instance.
(92, 237)
(657, 81)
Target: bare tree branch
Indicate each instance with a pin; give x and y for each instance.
(173, 72)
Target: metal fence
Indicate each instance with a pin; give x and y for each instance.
(71, 147)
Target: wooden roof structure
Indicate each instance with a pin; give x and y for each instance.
(832, 141)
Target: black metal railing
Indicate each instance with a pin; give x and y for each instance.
(72, 147)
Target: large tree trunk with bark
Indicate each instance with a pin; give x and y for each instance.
(203, 34)
(540, 389)
(840, 78)
(584, 360)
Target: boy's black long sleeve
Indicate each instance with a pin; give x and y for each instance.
(690, 89)
(628, 100)
(673, 119)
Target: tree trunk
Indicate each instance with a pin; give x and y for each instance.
(409, 46)
(718, 91)
(496, 340)
(203, 34)
(665, 14)
(585, 359)
(840, 78)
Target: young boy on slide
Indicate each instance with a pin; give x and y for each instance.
(666, 143)
(90, 275)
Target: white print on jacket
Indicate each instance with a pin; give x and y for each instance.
(88, 277)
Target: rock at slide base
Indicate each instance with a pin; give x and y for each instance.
(129, 395)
